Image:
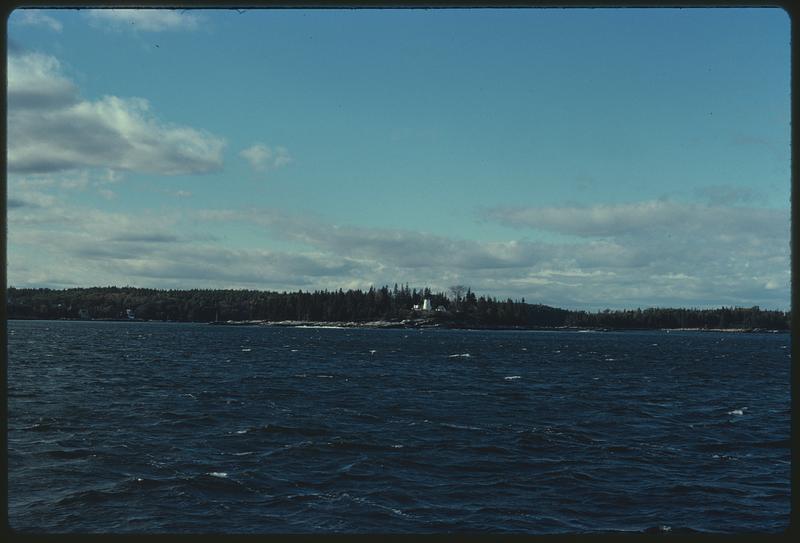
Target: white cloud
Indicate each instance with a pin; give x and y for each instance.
(145, 20)
(262, 157)
(32, 17)
(50, 128)
(35, 82)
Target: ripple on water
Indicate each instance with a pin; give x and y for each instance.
(368, 431)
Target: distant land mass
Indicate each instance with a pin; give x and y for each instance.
(399, 306)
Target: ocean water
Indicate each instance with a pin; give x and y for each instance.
(164, 427)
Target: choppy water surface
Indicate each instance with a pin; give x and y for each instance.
(151, 427)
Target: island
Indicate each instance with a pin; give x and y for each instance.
(384, 307)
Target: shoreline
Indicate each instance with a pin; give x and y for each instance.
(420, 324)
(429, 323)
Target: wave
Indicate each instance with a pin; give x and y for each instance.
(459, 426)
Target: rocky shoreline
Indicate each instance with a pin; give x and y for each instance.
(434, 323)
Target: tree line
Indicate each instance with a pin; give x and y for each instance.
(458, 307)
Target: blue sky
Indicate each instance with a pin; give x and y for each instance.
(578, 158)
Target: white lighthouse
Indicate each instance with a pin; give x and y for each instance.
(426, 304)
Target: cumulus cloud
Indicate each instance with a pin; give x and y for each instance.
(145, 20)
(35, 82)
(32, 17)
(51, 128)
(262, 157)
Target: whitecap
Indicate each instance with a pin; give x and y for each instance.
(373, 351)
(739, 411)
(398, 446)
(463, 355)
(459, 426)
(246, 350)
(294, 350)
(326, 376)
(242, 431)
(510, 377)
(725, 457)
(220, 474)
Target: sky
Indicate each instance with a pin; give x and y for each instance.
(580, 158)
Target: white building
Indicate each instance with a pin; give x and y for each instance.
(424, 306)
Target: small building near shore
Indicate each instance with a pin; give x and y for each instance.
(424, 306)
(83, 314)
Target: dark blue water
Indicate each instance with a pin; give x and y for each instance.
(150, 427)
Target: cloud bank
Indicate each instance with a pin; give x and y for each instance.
(721, 257)
(623, 255)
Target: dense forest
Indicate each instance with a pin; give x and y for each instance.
(460, 307)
